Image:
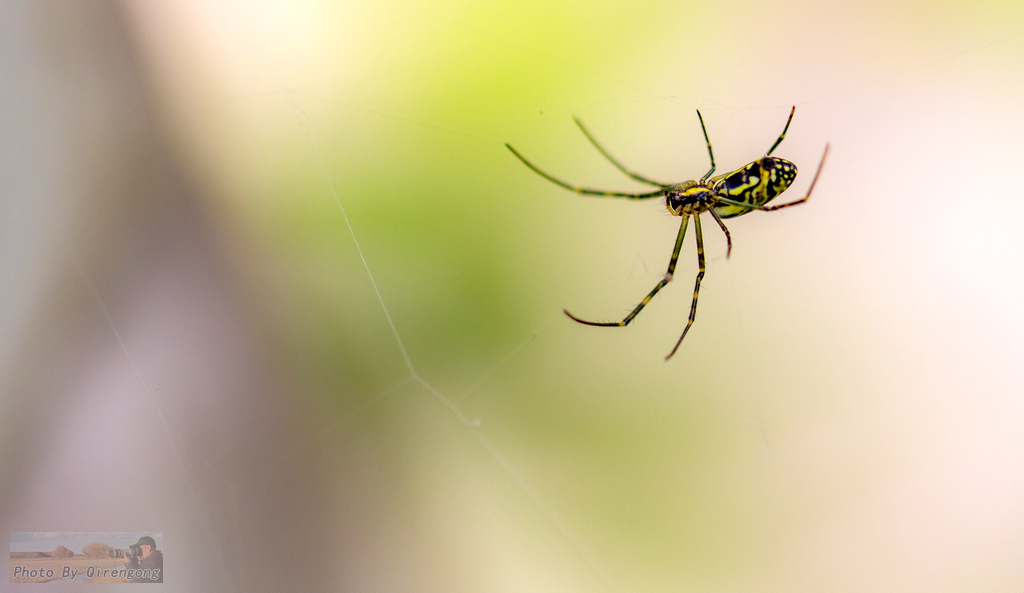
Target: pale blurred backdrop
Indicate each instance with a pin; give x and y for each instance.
(271, 284)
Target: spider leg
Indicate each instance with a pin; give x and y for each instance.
(661, 284)
(708, 142)
(585, 190)
(783, 134)
(809, 190)
(696, 288)
(748, 205)
(728, 237)
(617, 164)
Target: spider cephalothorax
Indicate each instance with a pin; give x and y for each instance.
(692, 197)
(732, 194)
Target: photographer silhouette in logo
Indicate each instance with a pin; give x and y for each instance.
(147, 566)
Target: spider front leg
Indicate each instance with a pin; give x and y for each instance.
(696, 288)
(612, 159)
(708, 142)
(782, 136)
(585, 190)
(659, 286)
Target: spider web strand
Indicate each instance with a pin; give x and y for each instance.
(520, 482)
(351, 232)
(472, 425)
(487, 376)
(182, 466)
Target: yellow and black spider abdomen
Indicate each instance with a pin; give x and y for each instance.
(758, 183)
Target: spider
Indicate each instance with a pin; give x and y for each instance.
(728, 195)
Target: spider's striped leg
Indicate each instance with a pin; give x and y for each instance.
(809, 190)
(748, 205)
(708, 142)
(783, 134)
(696, 287)
(657, 287)
(585, 190)
(728, 237)
(617, 164)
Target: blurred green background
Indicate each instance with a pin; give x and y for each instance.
(844, 415)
